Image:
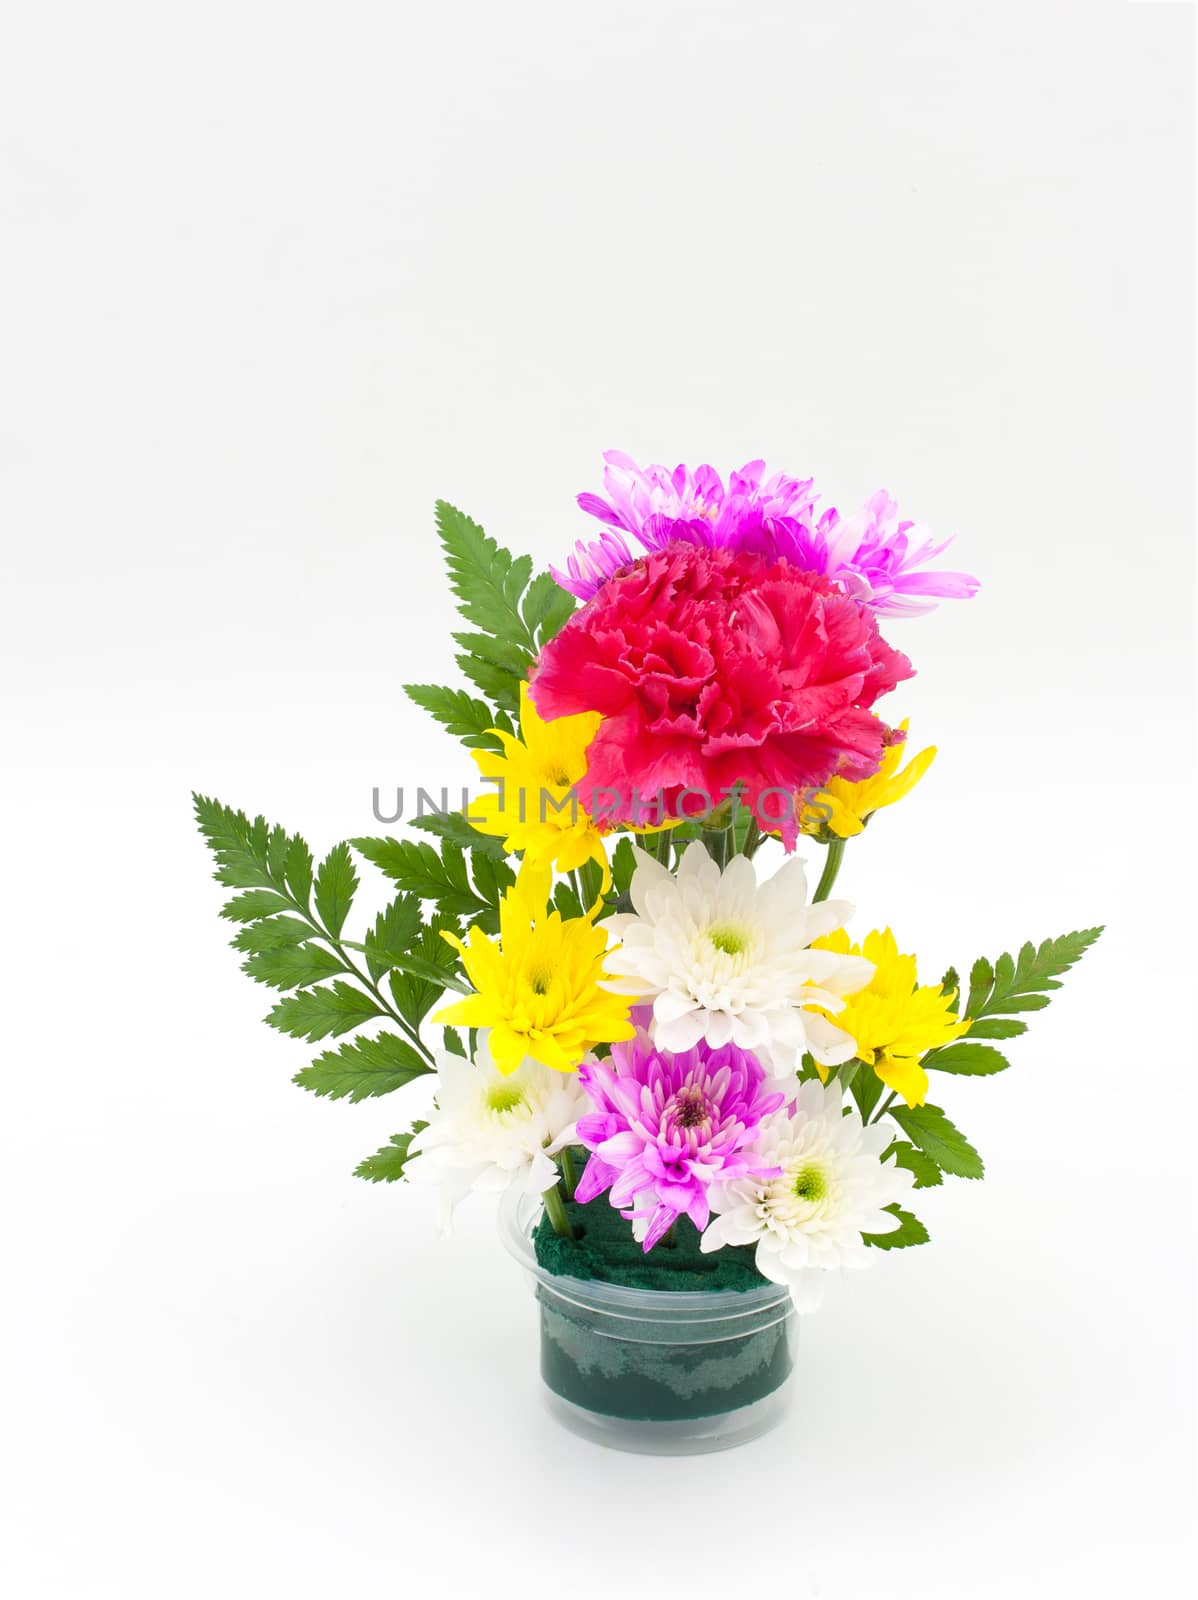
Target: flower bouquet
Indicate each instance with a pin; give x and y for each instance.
(700, 1093)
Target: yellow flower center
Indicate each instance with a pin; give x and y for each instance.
(810, 1183)
(538, 986)
(728, 938)
(503, 1098)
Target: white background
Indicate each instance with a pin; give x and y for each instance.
(275, 277)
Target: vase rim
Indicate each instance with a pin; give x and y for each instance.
(518, 1214)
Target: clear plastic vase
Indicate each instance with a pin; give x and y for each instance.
(657, 1372)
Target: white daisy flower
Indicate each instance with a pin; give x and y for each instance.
(491, 1130)
(832, 1188)
(725, 959)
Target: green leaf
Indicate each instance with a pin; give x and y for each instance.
(415, 966)
(927, 1173)
(239, 845)
(414, 995)
(566, 901)
(547, 608)
(255, 903)
(1025, 984)
(500, 686)
(1004, 971)
(387, 1164)
(997, 1028)
(362, 1069)
(252, 856)
(866, 1090)
(981, 981)
(453, 1042)
(416, 867)
(298, 870)
(508, 658)
(486, 579)
(623, 865)
(452, 826)
(1026, 1002)
(314, 1014)
(274, 934)
(967, 1059)
(278, 845)
(935, 1135)
(292, 967)
(395, 931)
(685, 834)
(492, 878)
(951, 981)
(909, 1232)
(470, 720)
(512, 617)
(336, 883)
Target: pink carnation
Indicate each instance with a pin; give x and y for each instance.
(713, 667)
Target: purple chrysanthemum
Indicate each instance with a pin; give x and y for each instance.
(666, 1127)
(659, 507)
(872, 555)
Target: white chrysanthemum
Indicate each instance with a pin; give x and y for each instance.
(725, 959)
(833, 1187)
(491, 1130)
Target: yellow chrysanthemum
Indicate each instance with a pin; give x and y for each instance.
(532, 809)
(852, 803)
(537, 987)
(893, 1020)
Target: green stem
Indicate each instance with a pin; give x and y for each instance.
(752, 839)
(885, 1106)
(565, 1163)
(390, 1010)
(371, 988)
(555, 1210)
(831, 868)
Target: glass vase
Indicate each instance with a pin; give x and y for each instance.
(653, 1371)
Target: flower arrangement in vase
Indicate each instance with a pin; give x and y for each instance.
(699, 1093)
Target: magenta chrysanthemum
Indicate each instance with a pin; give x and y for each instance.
(667, 1127)
(872, 555)
(657, 507)
(713, 668)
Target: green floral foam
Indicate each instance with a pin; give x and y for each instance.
(654, 1369)
(605, 1249)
